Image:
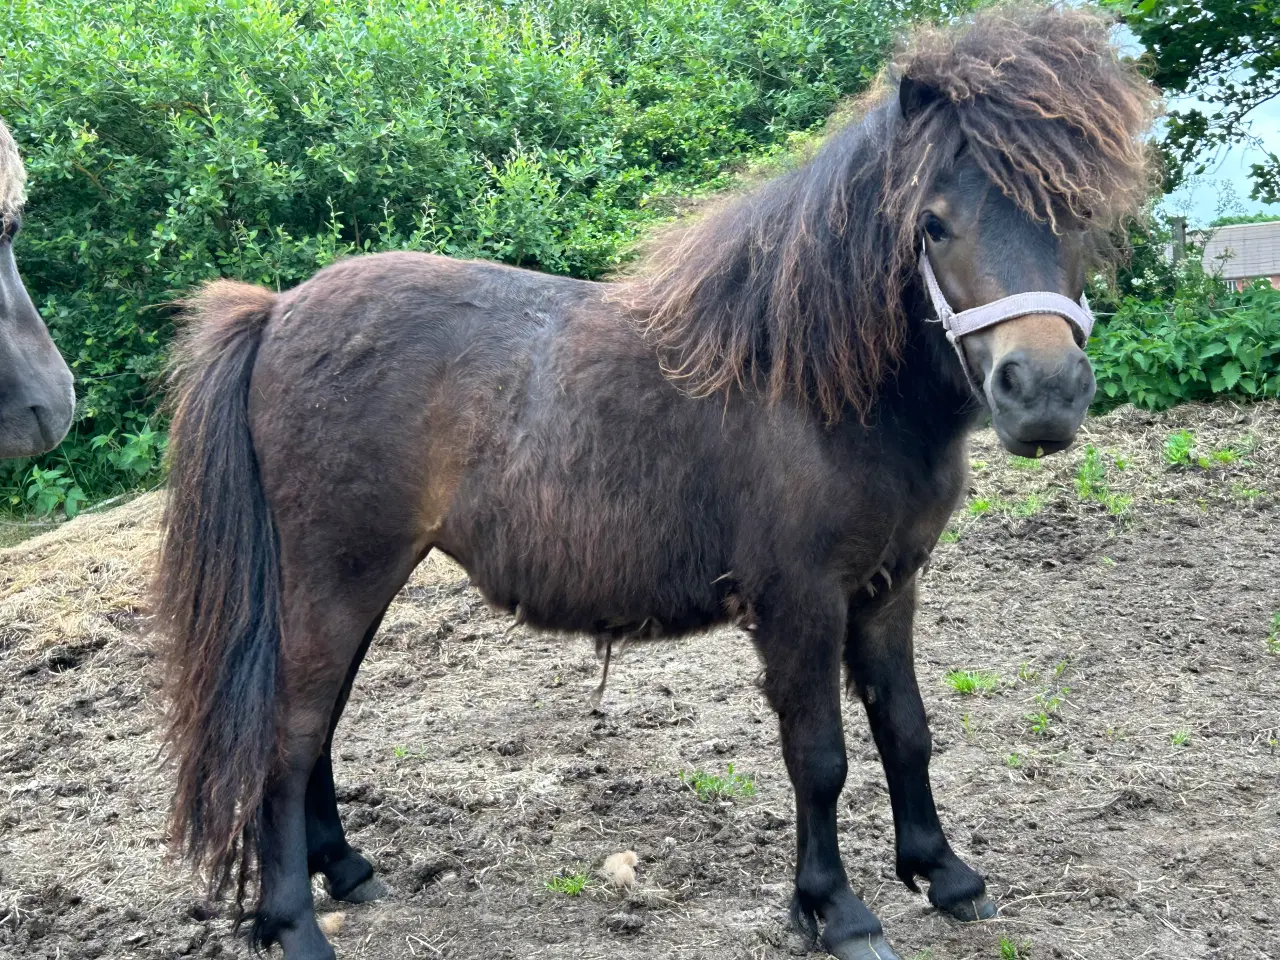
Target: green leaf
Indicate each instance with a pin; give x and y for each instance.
(1212, 350)
(48, 501)
(1230, 374)
(71, 506)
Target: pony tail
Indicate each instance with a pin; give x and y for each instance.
(217, 592)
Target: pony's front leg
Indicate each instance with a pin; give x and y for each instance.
(800, 639)
(881, 664)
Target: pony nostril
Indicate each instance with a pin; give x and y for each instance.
(1007, 383)
(51, 425)
(1085, 382)
(44, 423)
(1077, 381)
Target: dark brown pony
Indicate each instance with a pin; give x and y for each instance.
(763, 427)
(36, 396)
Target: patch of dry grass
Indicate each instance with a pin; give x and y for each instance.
(80, 583)
(1236, 460)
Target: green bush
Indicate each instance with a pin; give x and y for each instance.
(1205, 341)
(172, 141)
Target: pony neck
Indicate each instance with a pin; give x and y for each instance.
(928, 397)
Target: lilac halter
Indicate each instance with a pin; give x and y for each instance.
(969, 321)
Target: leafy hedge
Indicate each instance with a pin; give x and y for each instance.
(1202, 341)
(171, 141)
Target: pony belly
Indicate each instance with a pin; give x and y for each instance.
(614, 586)
(546, 603)
(562, 553)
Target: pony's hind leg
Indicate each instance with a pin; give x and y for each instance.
(329, 616)
(348, 875)
(285, 913)
(799, 640)
(880, 657)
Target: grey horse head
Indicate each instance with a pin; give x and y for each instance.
(36, 395)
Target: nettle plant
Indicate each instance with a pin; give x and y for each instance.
(1204, 341)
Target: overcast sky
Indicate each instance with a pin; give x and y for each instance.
(1229, 170)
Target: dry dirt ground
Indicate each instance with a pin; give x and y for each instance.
(1119, 784)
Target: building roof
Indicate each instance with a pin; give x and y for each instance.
(1252, 250)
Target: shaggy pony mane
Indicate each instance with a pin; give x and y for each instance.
(797, 289)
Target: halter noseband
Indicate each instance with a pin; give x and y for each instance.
(969, 321)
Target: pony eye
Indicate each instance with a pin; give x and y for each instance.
(935, 228)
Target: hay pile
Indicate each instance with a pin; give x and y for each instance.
(81, 585)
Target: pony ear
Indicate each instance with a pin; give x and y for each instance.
(914, 96)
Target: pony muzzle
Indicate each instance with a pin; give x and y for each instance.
(1036, 380)
(1023, 355)
(37, 397)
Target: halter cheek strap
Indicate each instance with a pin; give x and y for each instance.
(965, 322)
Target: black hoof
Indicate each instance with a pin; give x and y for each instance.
(366, 892)
(300, 939)
(969, 911)
(348, 877)
(873, 947)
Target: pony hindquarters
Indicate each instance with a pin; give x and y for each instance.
(265, 638)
